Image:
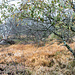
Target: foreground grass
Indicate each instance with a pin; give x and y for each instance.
(51, 59)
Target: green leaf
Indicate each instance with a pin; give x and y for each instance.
(38, 12)
(18, 2)
(42, 19)
(57, 0)
(59, 5)
(52, 1)
(11, 9)
(5, 6)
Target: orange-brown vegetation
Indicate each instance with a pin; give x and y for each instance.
(49, 55)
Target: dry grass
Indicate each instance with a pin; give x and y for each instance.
(46, 58)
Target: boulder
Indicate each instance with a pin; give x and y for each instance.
(6, 41)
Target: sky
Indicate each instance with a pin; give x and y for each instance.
(0, 1)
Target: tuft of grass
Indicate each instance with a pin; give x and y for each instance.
(72, 63)
(51, 63)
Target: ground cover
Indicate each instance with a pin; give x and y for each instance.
(51, 59)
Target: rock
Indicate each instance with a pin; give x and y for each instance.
(10, 41)
(1, 69)
(6, 41)
(3, 42)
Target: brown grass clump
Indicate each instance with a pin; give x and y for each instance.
(30, 53)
